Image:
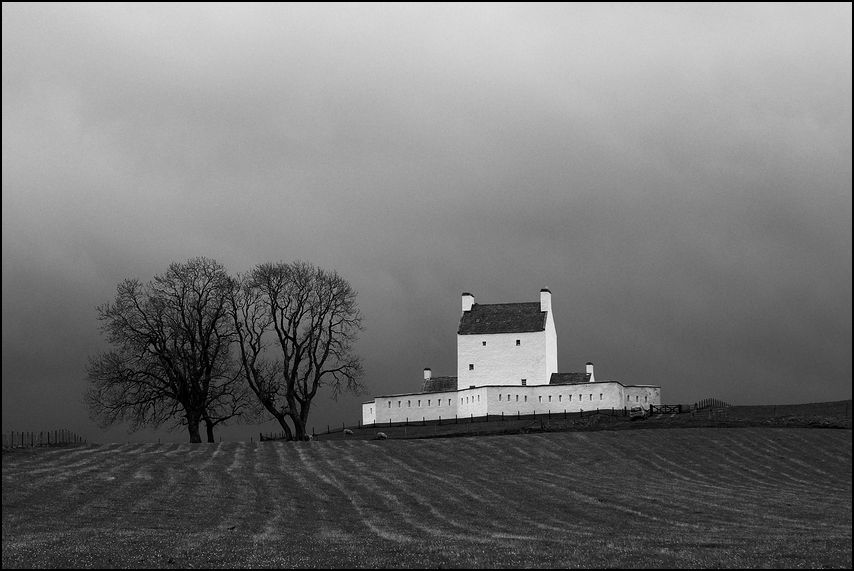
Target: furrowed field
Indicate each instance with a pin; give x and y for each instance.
(701, 497)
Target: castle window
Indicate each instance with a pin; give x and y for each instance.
(570, 398)
(471, 366)
(409, 403)
(600, 396)
(499, 396)
(398, 404)
(524, 382)
(419, 402)
(428, 402)
(644, 399)
(591, 396)
(637, 399)
(628, 398)
(449, 402)
(478, 398)
(559, 398)
(517, 398)
(518, 342)
(484, 343)
(541, 399)
(550, 398)
(526, 398)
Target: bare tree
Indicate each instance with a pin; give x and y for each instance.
(171, 361)
(313, 321)
(252, 323)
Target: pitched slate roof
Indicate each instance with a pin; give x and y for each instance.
(569, 378)
(439, 385)
(502, 318)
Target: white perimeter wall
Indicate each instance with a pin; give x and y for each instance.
(509, 400)
(642, 395)
(369, 413)
(413, 407)
(554, 398)
(501, 361)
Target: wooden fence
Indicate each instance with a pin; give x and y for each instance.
(665, 409)
(14, 439)
(710, 403)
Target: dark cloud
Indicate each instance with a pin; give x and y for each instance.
(679, 176)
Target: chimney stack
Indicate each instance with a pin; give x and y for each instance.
(545, 299)
(468, 301)
(427, 373)
(590, 370)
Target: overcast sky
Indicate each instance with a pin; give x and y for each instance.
(678, 175)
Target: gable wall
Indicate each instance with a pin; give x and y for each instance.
(501, 361)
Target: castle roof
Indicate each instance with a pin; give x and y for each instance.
(569, 378)
(439, 385)
(502, 318)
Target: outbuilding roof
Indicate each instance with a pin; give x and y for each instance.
(569, 378)
(503, 318)
(439, 385)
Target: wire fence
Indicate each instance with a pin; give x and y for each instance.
(13, 439)
(471, 419)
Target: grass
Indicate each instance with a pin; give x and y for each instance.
(709, 497)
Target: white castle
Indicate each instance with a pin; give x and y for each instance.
(507, 364)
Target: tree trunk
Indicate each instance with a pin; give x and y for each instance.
(283, 422)
(210, 427)
(193, 421)
(299, 427)
(193, 429)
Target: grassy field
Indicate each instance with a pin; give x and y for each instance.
(707, 497)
